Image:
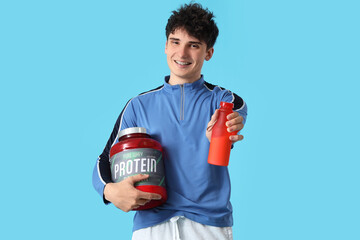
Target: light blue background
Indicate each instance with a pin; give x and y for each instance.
(68, 67)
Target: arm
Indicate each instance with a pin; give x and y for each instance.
(101, 173)
(122, 194)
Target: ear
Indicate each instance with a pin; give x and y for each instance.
(166, 45)
(209, 54)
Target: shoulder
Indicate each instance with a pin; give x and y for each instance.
(147, 95)
(212, 87)
(135, 103)
(152, 91)
(225, 95)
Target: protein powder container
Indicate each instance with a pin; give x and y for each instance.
(137, 153)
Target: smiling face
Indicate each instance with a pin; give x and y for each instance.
(185, 57)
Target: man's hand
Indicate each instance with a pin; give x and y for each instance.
(234, 124)
(125, 196)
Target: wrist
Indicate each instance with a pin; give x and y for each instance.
(106, 191)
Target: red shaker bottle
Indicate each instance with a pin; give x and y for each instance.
(220, 144)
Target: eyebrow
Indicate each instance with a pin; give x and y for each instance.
(192, 42)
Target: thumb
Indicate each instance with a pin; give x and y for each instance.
(213, 120)
(137, 178)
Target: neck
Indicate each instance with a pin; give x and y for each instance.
(176, 80)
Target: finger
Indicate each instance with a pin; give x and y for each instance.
(135, 207)
(232, 115)
(137, 178)
(214, 117)
(148, 196)
(235, 128)
(236, 138)
(234, 121)
(213, 120)
(142, 202)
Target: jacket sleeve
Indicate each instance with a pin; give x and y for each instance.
(239, 104)
(240, 107)
(102, 173)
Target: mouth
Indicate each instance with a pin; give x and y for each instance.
(181, 63)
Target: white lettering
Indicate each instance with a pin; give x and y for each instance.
(148, 165)
(143, 165)
(122, 169)
(134, 166)
(129, 167)
(116, 169)
(137, 164)
(153, 165)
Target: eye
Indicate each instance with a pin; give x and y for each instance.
(195, 46)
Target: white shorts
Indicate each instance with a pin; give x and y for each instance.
(181, 228)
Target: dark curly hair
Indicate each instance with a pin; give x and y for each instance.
(196, 20)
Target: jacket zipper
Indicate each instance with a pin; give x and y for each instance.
(182, 102)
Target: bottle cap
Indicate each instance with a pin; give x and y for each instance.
(227, 105)
(131, 130)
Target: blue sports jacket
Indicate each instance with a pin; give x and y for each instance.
(177, 117)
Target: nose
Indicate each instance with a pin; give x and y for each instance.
(182, 51)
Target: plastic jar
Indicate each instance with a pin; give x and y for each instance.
(137, 153)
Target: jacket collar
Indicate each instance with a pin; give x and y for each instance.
(198, 84)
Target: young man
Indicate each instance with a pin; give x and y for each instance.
(179, 114)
